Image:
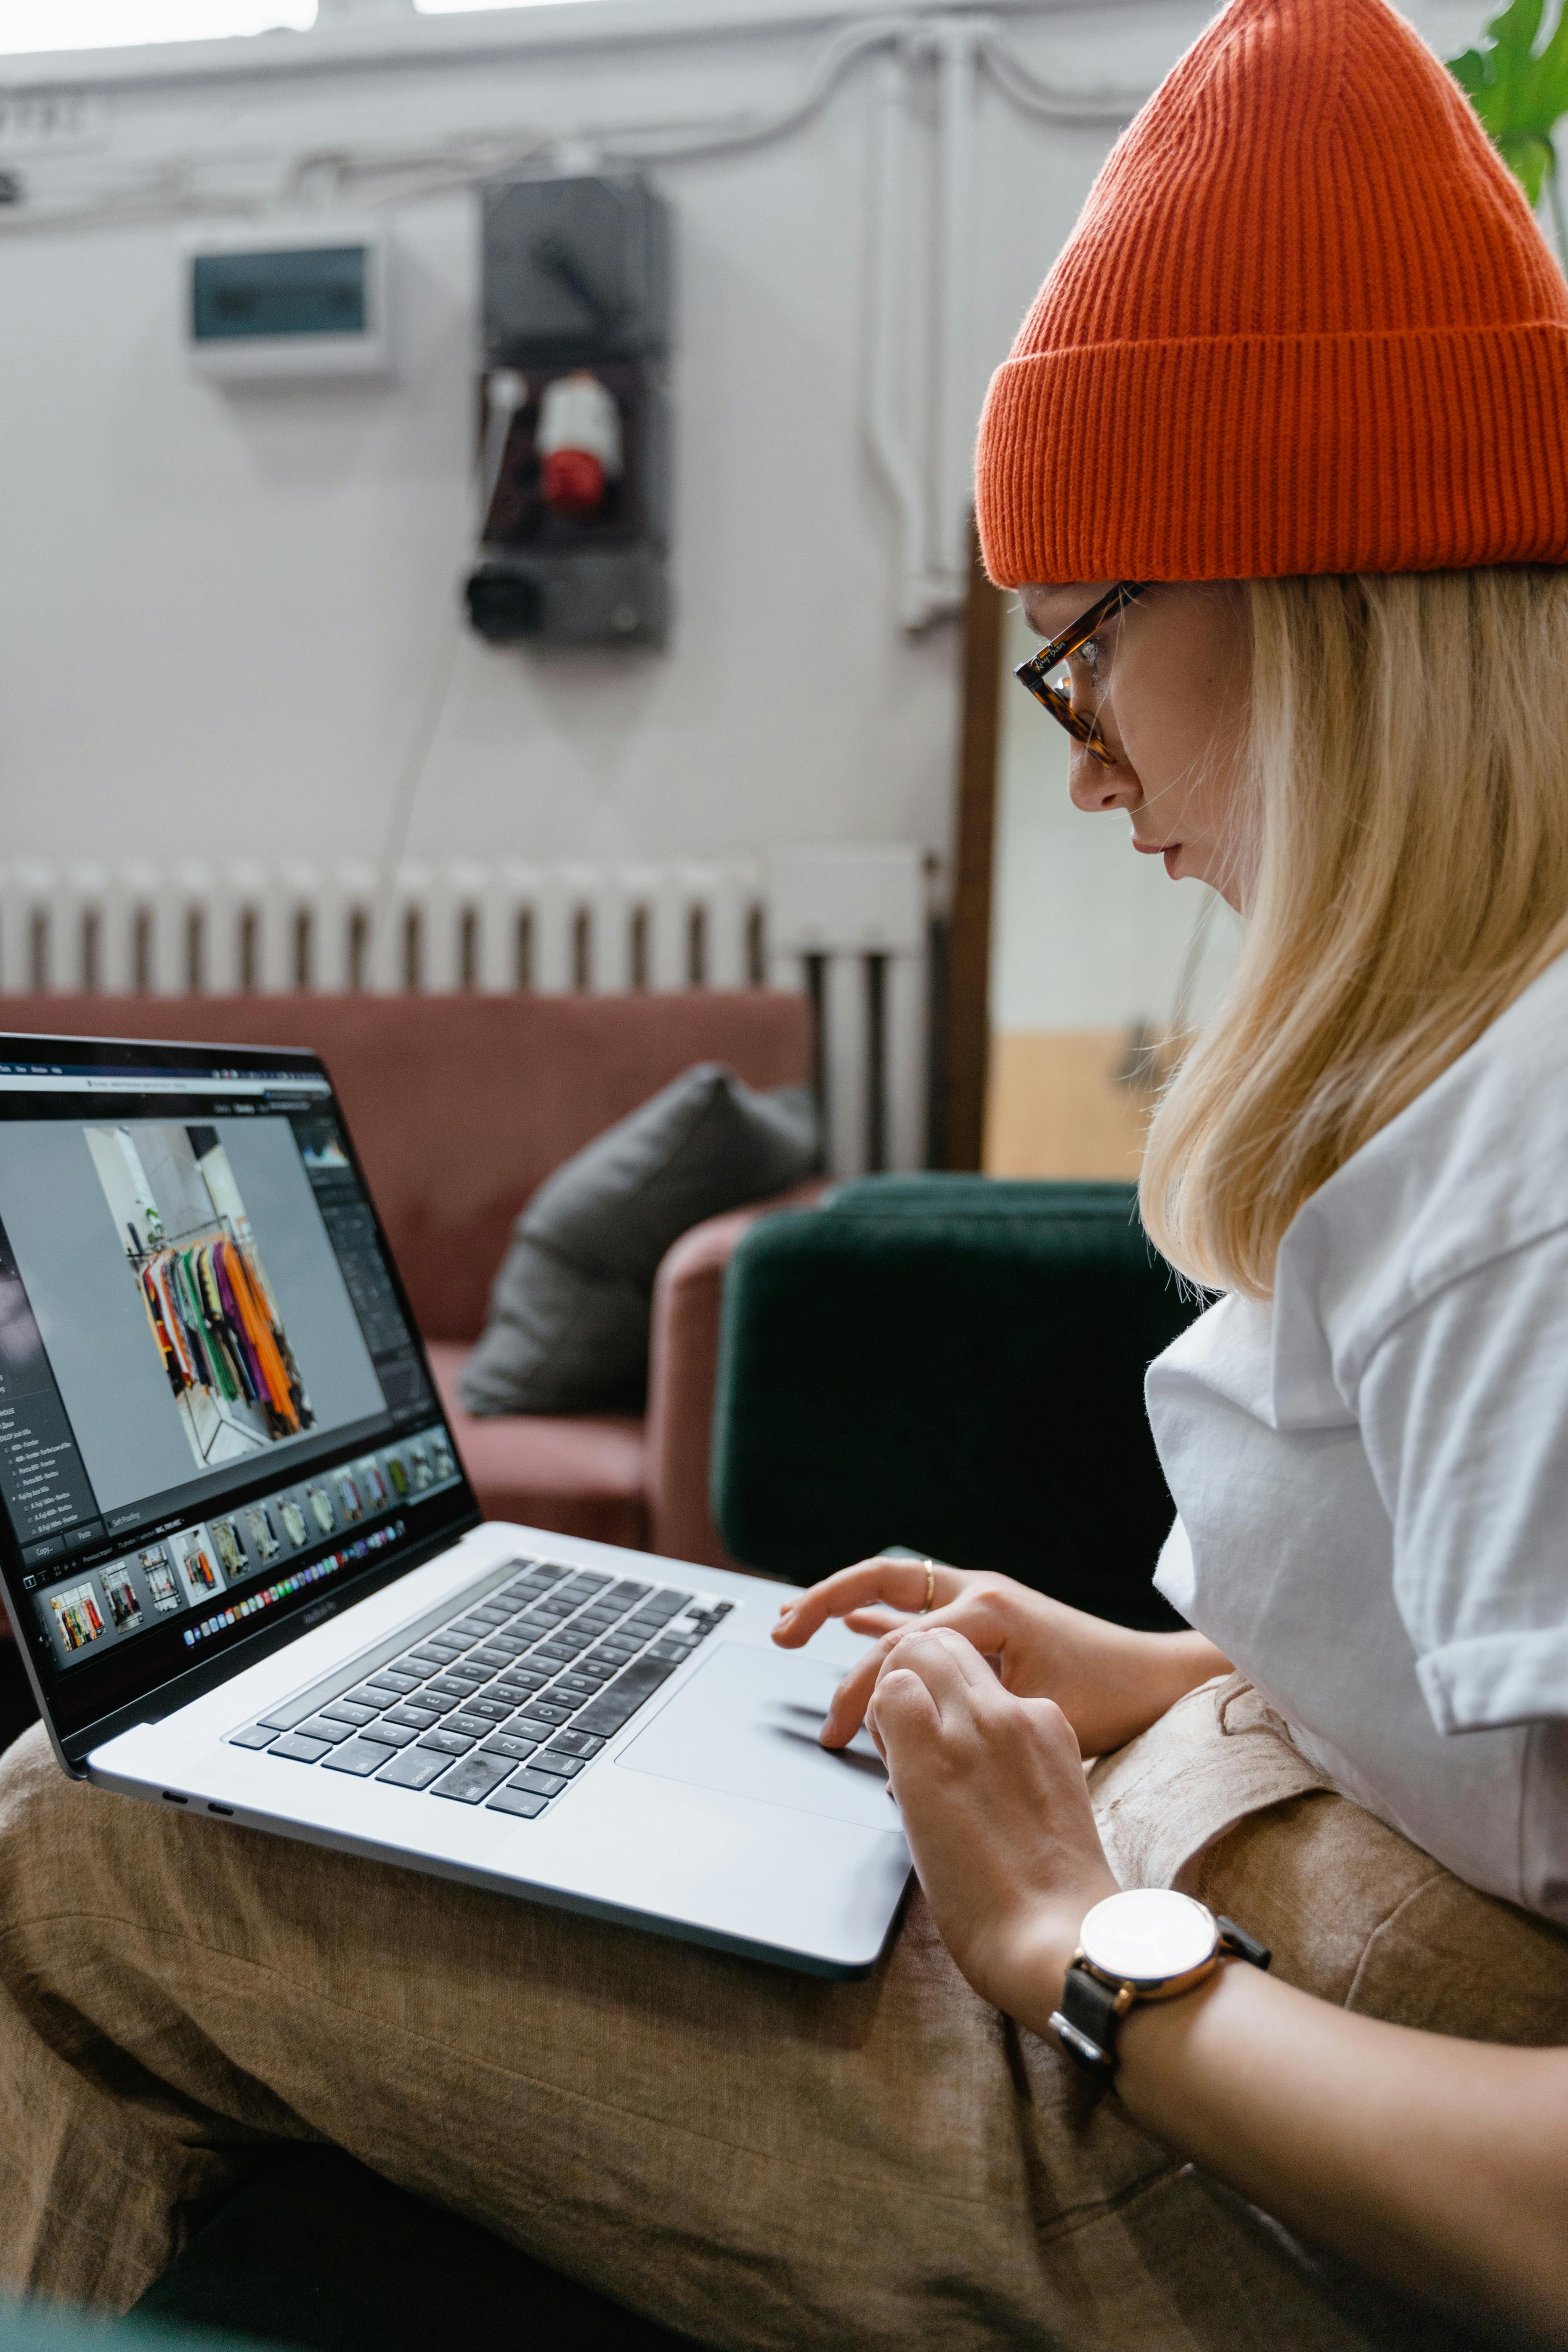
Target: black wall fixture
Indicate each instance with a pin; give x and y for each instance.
(573, 414)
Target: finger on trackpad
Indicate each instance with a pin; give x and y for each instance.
(748, 1723)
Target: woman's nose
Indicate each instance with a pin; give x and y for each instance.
(1094, 787)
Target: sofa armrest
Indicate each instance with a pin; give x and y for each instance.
(683, 1363)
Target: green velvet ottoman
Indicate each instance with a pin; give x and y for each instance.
(955, 1363)
(317, 2254)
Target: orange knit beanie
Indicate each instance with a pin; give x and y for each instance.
(1305, 324)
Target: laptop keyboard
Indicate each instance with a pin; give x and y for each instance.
(506, 1702)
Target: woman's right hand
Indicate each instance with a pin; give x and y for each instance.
(1110, 1682)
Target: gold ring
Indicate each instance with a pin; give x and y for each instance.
(931, 1586)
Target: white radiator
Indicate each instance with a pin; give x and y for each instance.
(847, 926)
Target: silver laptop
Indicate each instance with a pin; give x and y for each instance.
(249, 1578)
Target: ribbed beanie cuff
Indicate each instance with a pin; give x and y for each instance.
(1415, 419)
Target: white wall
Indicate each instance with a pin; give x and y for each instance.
(220, 616)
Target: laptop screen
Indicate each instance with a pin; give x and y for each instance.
(215, 1411)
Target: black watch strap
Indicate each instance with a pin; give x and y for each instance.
(1245, 1946)
(1086, 2020)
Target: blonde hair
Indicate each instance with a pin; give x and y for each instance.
(1408, 760)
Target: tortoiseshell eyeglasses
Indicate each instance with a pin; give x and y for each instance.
(1036, 672)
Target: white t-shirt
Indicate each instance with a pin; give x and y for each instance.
(1371, 1472)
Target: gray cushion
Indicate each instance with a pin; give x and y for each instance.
(568, 1328)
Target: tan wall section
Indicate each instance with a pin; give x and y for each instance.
(1056, 1107)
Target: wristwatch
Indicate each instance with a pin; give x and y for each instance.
(1148, 1944)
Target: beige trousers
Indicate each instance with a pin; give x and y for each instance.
(761, 2159)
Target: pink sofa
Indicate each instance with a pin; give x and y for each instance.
(460, 1107)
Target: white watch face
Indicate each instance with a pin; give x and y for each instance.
(1148, 1935)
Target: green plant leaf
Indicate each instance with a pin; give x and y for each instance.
(1529, 160)
(1521, 93)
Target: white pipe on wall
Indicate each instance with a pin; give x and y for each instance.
(884, 426)
(953, 43)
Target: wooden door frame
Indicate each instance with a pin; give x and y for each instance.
(966, 1009)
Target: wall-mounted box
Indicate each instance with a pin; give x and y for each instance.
(307, 301)
(576, 314)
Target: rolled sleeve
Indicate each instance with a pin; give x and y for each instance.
(1464, 1413)
(1495, 1680)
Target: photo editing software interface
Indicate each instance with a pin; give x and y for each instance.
(210, 1403)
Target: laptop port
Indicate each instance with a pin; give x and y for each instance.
(170, 1798)
(228, 1810)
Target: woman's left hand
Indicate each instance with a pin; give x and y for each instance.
(998, 1815)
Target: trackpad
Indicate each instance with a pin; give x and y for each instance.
(747, 1723)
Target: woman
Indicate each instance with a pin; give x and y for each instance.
(1307, 340)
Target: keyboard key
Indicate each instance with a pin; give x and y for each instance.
(344, 1710)
(438, 1653)
(626, 1593)
(575, 1743)
(522, 1679)
(509, 1743)
(673, 1651)
(550, 1711)
(390, 1679)
(594, 1670)
(415, 1769)
(466, 1674)
(548, 1762)
(517, 1800)
(620, 1700)
(259, 1735)
(472, 1778)
(538, 1784)
(361, 1757)
(418, 1719)
(443, 1686)
(471, 1727)
(579, 1685)
(318, 1727)
(499, 1651)
(665, 1605)
(450, 1743)
(535, 1726)
(299, 1749)
(367, 1696)
(388, 1735)
(538, 1579)
(494, 1710)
